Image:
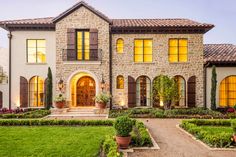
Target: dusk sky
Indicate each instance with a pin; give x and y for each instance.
(221, 13)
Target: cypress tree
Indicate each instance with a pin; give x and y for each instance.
(49, 89)
(213, 88)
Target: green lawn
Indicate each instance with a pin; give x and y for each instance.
(52, 141)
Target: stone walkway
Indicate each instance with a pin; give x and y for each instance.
(175, 143)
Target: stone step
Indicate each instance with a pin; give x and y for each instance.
(77, 115)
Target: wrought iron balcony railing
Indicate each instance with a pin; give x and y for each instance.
(82, 55)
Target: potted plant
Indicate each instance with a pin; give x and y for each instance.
(60, 101)
(123, 126)
(102, 99)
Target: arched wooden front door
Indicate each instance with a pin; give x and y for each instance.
(85, 91)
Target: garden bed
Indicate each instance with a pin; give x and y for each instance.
(199, 113)
(24, 114)
(215, 133)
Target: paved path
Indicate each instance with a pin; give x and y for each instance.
(175, 143)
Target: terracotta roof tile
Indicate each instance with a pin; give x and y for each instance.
(47, 20)
(220, 53)
(158, 23)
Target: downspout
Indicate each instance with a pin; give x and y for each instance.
(9, 37)
(110, 65)
(205, 83)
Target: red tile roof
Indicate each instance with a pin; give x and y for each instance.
(47, 20)
(158, 23)
(220, 53)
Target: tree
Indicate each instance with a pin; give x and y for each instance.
(166, 90)
(213, 88)
(49, 89)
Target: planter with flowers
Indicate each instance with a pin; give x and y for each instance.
(60, 101)
(123, 126)
(102, 99)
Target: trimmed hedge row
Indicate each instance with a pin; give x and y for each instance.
(39, 122)
(220, 140)
(140, 136)
(199, 113)
(109, 148)
(29, 114)
(233, 125)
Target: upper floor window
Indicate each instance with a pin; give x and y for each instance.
(120, 45)
(36, 51)
(120, 82)
(178, 50)
(83, 45)
(143, 50)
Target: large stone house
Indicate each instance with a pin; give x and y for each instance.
(89, 53)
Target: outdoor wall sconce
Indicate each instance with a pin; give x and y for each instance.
(60, 84)
(103, 84)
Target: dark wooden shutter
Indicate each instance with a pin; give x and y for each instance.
(1, 99)
(93, 45)
(71, 44)
(131, 92)
(45, 91)
(23, 92)
(192, 91)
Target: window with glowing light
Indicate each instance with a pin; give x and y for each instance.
(36, 51)
(83, 45)
(142, 50)
(120, 82)
(120, 45)
(36, 92)
(178, 50)
(228, 92)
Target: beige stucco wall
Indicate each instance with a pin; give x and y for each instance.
(123, 64)
(82, 19)
(20, 67)
(222, 73)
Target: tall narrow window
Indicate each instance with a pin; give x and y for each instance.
(143, 50)
(36, 89)
(83, 45)
(36, 51)
(181, 90)
(228, 92)
(120, 82)
(178, 50)
(120, 45)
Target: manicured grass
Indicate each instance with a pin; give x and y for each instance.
(52, 141)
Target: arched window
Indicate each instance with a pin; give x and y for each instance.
(120, 82)
(120, 45)
(181, 90)
(143, 91)
(36, 92)
(228, 92)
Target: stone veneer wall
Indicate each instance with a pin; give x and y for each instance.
(82, 19)
(123, 64)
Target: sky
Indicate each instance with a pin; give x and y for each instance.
(221, 13)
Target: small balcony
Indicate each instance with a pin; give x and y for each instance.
(87, 55)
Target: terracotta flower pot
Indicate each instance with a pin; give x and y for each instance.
(60, 104)
(101, 105)
(123, 142)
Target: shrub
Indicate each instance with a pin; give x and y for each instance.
(30, 114)
(102, 98)
(110, 147)
(123, 126)
(49, 89)
(233, 124)
(222, 139)
(33, 122)
(140, 136)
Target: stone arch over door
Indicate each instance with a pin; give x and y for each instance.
(71, 85)
(192, 91)
(1, 99)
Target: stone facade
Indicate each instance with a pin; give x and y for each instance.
(82, 18)
(123, 64)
